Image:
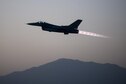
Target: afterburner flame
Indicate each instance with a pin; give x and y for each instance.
(92, 34)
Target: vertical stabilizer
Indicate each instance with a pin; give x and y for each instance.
(75, 24)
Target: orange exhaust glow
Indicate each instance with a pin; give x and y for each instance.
(92, 34)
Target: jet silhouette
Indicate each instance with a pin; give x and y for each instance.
(72, 28)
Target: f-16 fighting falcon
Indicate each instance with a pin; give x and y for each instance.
(72, 28)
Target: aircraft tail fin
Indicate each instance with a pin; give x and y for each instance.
(75, 24)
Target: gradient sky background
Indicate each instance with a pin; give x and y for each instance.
(23, 46)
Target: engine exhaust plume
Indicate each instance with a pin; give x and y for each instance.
(92, 34)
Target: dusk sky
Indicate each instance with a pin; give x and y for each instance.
(23, 46)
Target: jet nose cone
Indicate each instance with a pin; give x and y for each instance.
(30, 23)
(34, 24)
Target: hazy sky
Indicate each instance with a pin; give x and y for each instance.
(23, 46)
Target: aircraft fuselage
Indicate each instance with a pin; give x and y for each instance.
(61, 29)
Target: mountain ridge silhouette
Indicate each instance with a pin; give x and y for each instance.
(68, 71)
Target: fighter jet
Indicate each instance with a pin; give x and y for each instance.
(72, 28)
